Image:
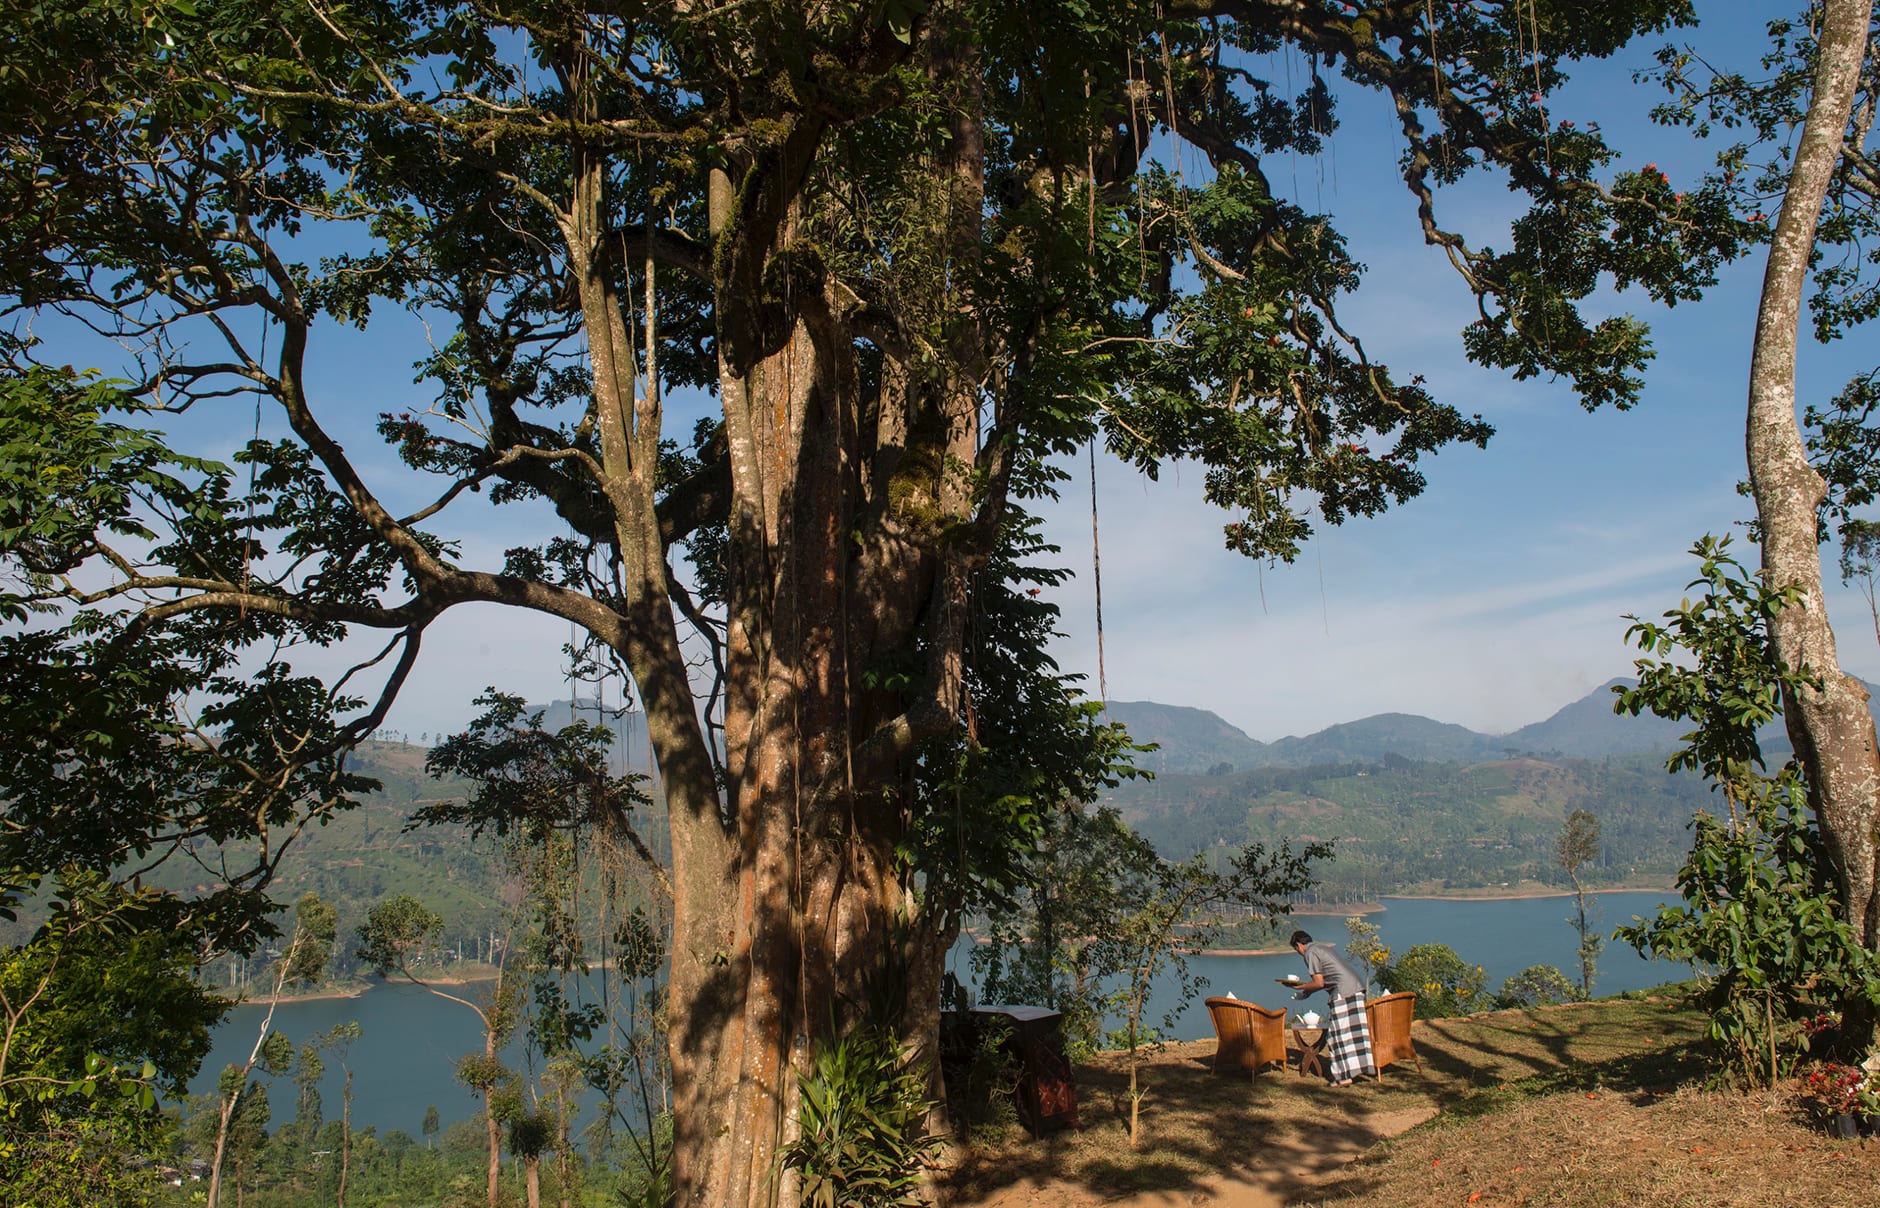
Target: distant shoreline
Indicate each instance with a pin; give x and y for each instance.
(1341, 912)
(324, 993)
(332, 993)
(1355, 910)
(1490, 896)
(1381, 905)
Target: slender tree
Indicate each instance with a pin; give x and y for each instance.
(554, 798)
(1831, 87)
(304, 962)
(309, 1110)
(394, 939)
(1860, 563)
(1127, 918)
(530, 1134)
(339, 1039)
(1367, 947)
(1577, 847)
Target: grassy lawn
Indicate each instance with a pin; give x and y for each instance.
(1595, 1104)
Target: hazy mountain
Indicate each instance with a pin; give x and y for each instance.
(629, 728)
(1589, 728)
(1191, 740)
(1196, 741)
(1405, 734)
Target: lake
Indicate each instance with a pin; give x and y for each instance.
(404, 1059)
(1504, 936)
(402, 1063)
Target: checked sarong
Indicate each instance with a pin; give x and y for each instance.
(1348, 1040)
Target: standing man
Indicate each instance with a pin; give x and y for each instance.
(1348, 1032)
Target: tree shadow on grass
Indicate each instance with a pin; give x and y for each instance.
(1514, 1046)
(1285, 1134)
(1277, 1130)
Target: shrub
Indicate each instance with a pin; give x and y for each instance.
(981, 1071)
(1367, 948)
(1847, 1090)
(1761, 911)
(1443, 984)
(642, 1165)
(861, 1106)
(1535, 986)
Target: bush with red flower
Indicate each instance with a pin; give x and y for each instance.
(1847, 1090)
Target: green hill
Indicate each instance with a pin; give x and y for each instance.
(1407, 826)
(1403, 734)
(364, 855)
(1415, 805)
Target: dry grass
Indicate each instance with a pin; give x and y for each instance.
(1594, 1104)
(1618, 1147)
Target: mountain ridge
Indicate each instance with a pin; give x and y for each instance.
(1197, 741)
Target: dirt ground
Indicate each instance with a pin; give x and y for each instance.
(1598, 1104)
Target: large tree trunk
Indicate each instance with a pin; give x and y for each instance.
(1831, 728)
(817, 886)
(705, 987)
(849, 531)
(836, 518)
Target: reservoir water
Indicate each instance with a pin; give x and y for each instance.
(410, 1041)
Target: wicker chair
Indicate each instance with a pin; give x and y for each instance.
(1249, 1036)
(1389, 1018)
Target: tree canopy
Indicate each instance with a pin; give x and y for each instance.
(911, 253)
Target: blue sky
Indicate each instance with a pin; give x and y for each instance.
(1491, 601)
(1499, 595)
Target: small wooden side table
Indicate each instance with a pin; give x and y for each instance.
(1045, 1093)
(1311, 1045)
